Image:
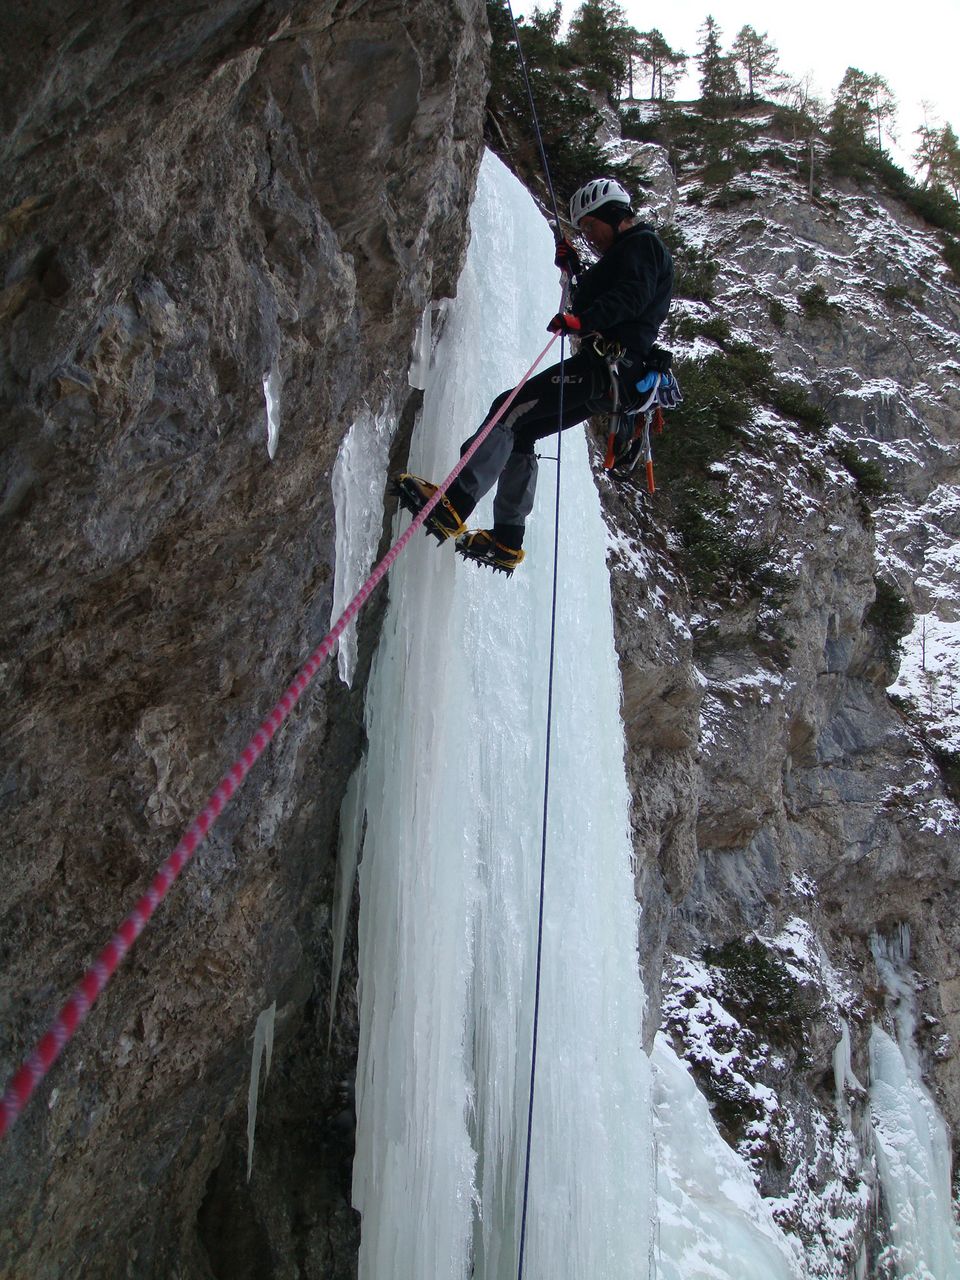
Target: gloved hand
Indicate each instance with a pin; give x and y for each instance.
(567, 258)
(565, 322)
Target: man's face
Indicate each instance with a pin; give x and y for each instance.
(600, 234)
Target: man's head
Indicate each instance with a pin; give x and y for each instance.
(600, 209)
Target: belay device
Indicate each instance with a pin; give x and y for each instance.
(631, 423)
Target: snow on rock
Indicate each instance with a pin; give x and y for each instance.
(738, 1015)
(818, 807)
(709, 1211)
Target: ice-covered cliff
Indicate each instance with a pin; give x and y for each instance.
(760, 989)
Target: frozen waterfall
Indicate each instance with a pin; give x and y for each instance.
(452, 787)
(450, 869)
(912, 1143)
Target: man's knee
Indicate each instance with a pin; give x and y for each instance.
(498, 403)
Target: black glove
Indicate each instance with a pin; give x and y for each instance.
(567, 258)
(565, 322)
(659, 360)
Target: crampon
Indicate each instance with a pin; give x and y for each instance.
(482, 548)
(414, 493)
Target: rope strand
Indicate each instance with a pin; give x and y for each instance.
(550, 678)
(543, 839)
(533, 114)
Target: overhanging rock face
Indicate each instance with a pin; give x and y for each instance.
(194, 206)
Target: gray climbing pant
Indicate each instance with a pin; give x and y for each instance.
(507, 458)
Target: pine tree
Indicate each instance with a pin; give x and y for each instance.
(600, 42)
(863, 103)
(927, 155)
(757, 56)
(665, 65)
(718, 77)
(938, 153)
(568, 116)
(883, 109)
(950, 148)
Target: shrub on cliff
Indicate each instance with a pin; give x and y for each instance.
(868, 476)
(816, 302)
(891, 618)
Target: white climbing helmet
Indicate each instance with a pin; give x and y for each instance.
(596, 193)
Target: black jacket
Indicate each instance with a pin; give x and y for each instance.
(626, 294)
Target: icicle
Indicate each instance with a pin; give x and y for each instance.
(420, 356)
(358, 480)
(351, 836)
(843, 1076)
(262, 1046)
(271, 394)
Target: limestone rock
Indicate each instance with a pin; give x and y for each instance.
(193, 203)
(781, 800)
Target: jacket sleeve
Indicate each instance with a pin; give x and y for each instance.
(631, 295)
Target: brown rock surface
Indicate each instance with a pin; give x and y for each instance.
(190, 200)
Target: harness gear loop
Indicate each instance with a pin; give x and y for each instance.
(615, 417)
(611, 353)
(609, 350)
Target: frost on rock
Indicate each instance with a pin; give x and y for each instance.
(929, 675)
(863, 489)
(359, 475)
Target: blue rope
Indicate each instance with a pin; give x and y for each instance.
(536, 121)
(543, 841)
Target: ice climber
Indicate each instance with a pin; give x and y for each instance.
(617, 304)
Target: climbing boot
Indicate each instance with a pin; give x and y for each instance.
(482, 547)
(414, 494)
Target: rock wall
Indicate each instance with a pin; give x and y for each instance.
(193, 203)
(787, 812)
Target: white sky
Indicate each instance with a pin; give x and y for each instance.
(915, 47)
